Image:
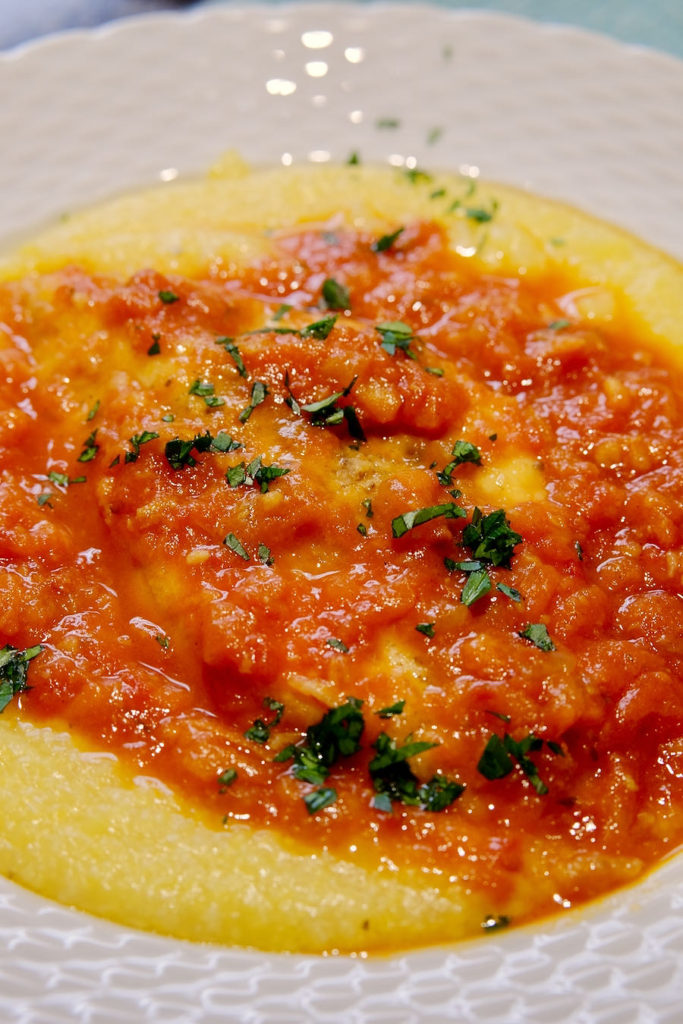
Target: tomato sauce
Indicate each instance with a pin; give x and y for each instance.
(198, 617)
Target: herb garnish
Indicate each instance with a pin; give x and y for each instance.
(178, 452)
(155, 348)
(264, 554)
(537, 632)
(337, 645)
(205, 389)
(478, 585)
(63, 479)
(259, 391)
(409, 520)
(90, 447)
(395, 334)
(393, 709)
(386, 241)
(226, 778)
(93, 412)
(168, 297)
(135, 442)
(320, 798)
(463, 451)
(490, 537)
(231, 348)
(260, 730)
(394, 779)
(336, 735)
(500, 755)
(335, 295)
(254, 473)
(326, 412)
(14, 671)
(426, 628)
(236, 545)
(510, 592)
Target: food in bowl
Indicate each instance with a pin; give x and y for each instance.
(341, 559)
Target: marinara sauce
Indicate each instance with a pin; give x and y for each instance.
(363, 546)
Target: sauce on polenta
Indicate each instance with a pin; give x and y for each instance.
(360, 541)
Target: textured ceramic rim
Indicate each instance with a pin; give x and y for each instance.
(554, 109)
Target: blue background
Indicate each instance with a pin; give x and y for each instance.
(656, 23)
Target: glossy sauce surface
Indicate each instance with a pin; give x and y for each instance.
(166, 644)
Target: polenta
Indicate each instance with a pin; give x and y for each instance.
(341, 555)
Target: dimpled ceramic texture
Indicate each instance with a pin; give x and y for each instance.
(551, 109)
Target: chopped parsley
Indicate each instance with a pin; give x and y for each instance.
(386, 241)
(236, 545)
(335, 295)
(155, 348)
(136, 442)
(63, 479)
(260, 730)
(259, 391)
(367, 505)
(559, 325)
(206, 390)
(387, 122)
(14, 671)
(168, 297)
(90, 447)
(490, 537)
(254, 473)
(326, 412)
(396, 335)
(264, 554)
(409, 520)
(231, 348)
(501, 754)
(362, 529)
(93, 412)
(393, 709)
(226, 778)
(179, 452)
(463, 451)
(426, 628)
(394, 779)
(320, 329)
(320, 798)
(478, 585)
(510, 592)
(538, 634)
(337, 645)
(579, 550)
(336, 735)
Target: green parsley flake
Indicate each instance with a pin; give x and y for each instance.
(477, 586)
(135, 442)
(510, 592)
(168, 297)
(179, 452)
(386, 241)
(336, 735)
(259, 391)
(490, 537)
(409, 520)
(335, 295)
(538, 634)
(14, 665)
(396, 335)
(232, 542)
(338, 645)
(426, 628)
(393, 709)
(90, 448)
(254, 473)
(394, 779)
(231, 348)
(319, 799)
(260, 730)
(205, 389)
(226, 778)
(501, 753)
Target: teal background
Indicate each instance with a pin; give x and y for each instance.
(654, 23)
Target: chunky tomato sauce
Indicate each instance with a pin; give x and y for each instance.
(199, 611)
